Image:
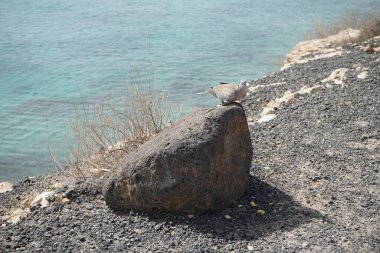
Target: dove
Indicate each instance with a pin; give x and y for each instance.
(229, 92)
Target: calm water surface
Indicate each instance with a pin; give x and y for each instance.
(57, 54)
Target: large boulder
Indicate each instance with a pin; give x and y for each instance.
(201, 163)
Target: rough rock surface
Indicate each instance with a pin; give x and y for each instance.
(315, 173)
(320, 48)
(201, 163)
(5, 187)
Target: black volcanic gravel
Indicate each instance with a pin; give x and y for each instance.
(315, 172)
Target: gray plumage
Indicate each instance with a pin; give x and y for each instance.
(229, 92)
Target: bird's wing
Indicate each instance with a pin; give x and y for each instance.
(226, 92)
(241, 93)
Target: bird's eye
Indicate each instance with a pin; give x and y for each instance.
(211, 87)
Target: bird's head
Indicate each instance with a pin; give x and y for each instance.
(242, 83)
(212, 91)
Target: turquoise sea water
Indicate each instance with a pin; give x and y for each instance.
(58, 54)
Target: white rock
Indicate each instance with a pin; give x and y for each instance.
(5, 187)
(363, 75)
(338, 76)
(362, 123)
(267, 113)
(320, 48)
(357, 66)
(65, 201)
(26, 203)
(286, 98)
(344, 36)
(372, 143)
(56, 185)
(269, 109)
(138, 231)
(117, 146)
(42, 199)
(16, 215)
(250, 248)
(266, 118)
(310, 90)
(316, 57)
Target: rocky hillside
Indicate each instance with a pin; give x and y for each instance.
(314, 184)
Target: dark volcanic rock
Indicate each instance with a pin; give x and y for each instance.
(201, 163)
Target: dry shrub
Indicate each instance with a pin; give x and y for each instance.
(106, 131)
(369, 25)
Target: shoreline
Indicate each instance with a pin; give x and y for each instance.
(315, 172)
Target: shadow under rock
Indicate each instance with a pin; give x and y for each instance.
(281, 213)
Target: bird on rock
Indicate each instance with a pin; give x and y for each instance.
(229, 92)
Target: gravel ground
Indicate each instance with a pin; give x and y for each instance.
(315, 173)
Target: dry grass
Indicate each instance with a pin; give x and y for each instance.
(368, 25)
(105, 132)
